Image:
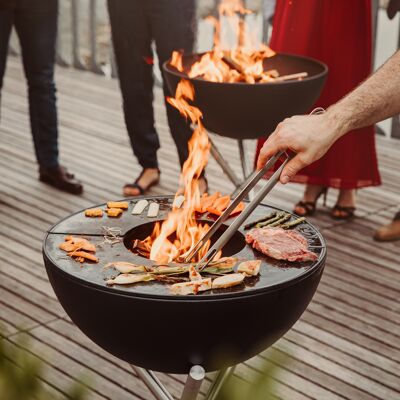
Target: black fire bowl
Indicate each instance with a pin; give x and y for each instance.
(250, 111)
(145, 325)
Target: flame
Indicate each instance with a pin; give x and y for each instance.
(241, 63)
(173, 239)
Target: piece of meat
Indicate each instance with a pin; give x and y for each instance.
(280, 244)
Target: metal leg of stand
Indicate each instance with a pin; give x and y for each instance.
(153, 383)
(224, 165)
(219, 381)
(193, 383)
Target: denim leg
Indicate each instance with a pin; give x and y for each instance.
(173, 27)
(132, 46)
(6, 22)
(36, 25)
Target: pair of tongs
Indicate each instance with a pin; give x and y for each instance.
(253, 179)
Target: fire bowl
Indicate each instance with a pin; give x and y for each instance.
(249, 111)
(145, 325)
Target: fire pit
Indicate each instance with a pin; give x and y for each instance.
(145, 325)
(251, 110)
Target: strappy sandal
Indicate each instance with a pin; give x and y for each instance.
(310, 206)
(142, 190)
(348, 211)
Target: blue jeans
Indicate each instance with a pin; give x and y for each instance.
(36, 24)
(135, 24)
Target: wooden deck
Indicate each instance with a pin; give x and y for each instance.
(347, 343)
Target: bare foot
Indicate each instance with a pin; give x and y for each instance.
(310, 195)
(148, 178)
(390, 231)
(346, 198)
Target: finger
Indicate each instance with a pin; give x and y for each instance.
(270, 148)
(291, 169)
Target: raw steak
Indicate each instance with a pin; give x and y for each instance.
(280, 244)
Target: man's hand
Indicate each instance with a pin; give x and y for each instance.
(308, 136)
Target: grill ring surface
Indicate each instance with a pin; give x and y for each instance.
(291, 272)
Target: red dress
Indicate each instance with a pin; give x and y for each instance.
(338, 33)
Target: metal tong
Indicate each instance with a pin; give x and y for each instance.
(253, 179)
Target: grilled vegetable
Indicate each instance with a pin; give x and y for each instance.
(153, 210)
(128, 279)
(83, 254)
(280, 221)
(126, 267)
(139, 207)
(114, 212)
(250, 268)
(94, 212)
(263, 219)
(227, 281)
(270, 221)
(194, 275)
(118, 204)
(291, 224)
(194, 287)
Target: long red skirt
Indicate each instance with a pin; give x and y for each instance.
(338, 33)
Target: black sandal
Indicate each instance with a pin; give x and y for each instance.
(348, 211)
(310, 206)
(142, 190)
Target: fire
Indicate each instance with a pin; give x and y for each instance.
(173, 239)
(241, 63)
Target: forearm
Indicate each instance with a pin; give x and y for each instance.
(374, 100)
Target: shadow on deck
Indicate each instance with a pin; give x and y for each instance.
(345, 346)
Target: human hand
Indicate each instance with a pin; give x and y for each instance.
(308, 136)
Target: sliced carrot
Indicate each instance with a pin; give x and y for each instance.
(239, 208)
(206, 201)
(84, 254)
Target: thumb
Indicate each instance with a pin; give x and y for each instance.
(291, 169)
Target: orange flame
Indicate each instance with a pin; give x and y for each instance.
(173, 239)
(243, 62)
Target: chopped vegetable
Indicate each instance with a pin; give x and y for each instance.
(291, 224)
(227, 281)
(194, 275)
(126, 267)
(118, 204)
(139, 207)
(185, 288)
(128, 279)
(94, 212)
(83, 254)
(153, 210)
(263, 219)
(114, 212)
(250, 268)
(178, 201)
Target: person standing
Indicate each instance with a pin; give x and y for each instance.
(135, 24)
(36, 25)
(339, 34)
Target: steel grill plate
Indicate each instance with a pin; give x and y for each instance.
(273, 273)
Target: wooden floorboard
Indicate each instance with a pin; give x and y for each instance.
(345, 346)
